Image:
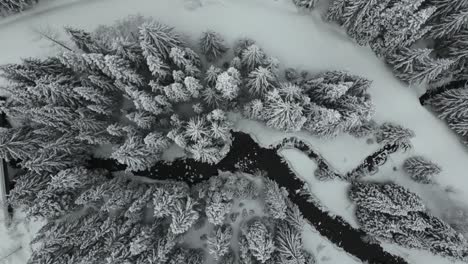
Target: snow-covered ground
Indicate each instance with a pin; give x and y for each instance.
(297, 40)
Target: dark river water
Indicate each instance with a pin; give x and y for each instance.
(252, 157)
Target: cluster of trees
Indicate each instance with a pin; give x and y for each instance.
(393, 28)
(127, 87)
(138, 87)
(391, 212)
(325, 105)
(8, 7)
(120, 220)
(421, 169)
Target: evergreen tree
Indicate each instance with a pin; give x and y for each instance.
(284, 108)
(288, 242)
(26, 188)
(211, 75)
(120, 69)
(228, 83)
(336, 11)
(142, 119)
(260, 81)
(259, 240)
(84, 41)
(306, 4)
(446, 7)
(183, 216)
(254, 110)
(275, 200)
(252, 57)
(219, 241)
(421, 169)
(212, 45)
(217, 209)
(450, 24)
(136, 154)
(18, 143)
(8, 7)
(157, 40)
(403, 24)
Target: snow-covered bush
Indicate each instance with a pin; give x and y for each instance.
(421, 169)
(394, 134)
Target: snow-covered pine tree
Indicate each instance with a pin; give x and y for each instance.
(142, 119)
(259, 239)
(62, 190)
(212, 45)
(336, 11)
(445, 8)
(322, 121)
(59, 154)
(183, 216)
(121, 70)
(136, 154)
(219, 241)
(421, 169)
(284, 108)
(389, 199)
(157, 40)
(26, 188)
(402, 24)
(306, 4)
(288, 242)
(429, 69)
(451, 24)
(228, 83)
(261, 80)
(394, 134)
(252, 57)
(275, 200)
(451, 104)
(8, 7)
(166, 196)
(406, 62)
(254, 110)
(18, 143)
(217, 210)
(84, 41)
(211, 75)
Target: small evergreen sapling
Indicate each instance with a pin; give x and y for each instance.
(421, 169)
(389, 133)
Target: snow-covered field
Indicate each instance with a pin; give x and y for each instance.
(297, 40)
